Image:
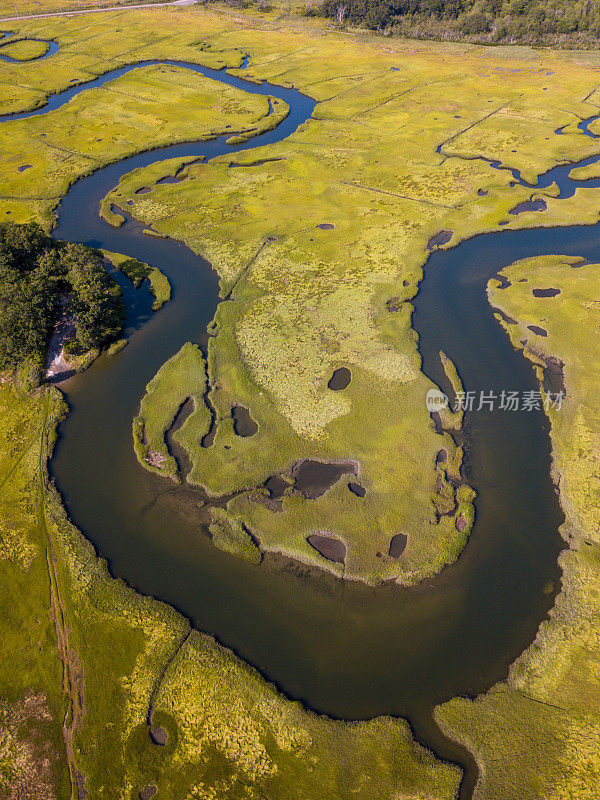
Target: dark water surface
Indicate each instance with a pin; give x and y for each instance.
(341, 647)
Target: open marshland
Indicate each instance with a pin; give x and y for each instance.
(305, 508)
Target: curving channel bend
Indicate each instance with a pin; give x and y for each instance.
(342, 648)
(53, 48)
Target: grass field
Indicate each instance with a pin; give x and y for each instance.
(537, 734)
(32, 705)
(24, 49)
(43, 155)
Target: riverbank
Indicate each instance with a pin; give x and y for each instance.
(538, 730)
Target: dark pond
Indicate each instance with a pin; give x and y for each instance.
(340, 379)
(243, 424)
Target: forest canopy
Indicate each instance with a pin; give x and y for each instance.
(40, 279)
(574, 23)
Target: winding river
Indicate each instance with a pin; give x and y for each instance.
(342, 648)
(53, 47)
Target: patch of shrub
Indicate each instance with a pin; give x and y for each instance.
(39, 278)
(573, 24)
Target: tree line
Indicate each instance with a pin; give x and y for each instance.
(40, 279)
(546, 22)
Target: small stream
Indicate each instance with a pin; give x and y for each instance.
(342, 648)
(53, 47)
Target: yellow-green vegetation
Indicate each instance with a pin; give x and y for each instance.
(7, 9)
(537, 734)
(304, 300)
(231, 535)
(31, 705)
(451, 420)
(259, 456)
(583, 173)
(86, 661)
(41, 156)
(24, 49)
(183, 377)
(280, 112)
(280, 745)
(138, 272)
(158, 171)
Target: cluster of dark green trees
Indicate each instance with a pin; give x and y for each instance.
(567, 22)
(40, 279)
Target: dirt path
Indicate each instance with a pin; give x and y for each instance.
(97, 10)
(72, 674)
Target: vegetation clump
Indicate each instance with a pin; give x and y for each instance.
(181, 378)
(41, 279)
(24, 49)
(138, 272)
(229, 534)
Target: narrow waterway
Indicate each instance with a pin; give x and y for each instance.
(53, 47)
(343, 648)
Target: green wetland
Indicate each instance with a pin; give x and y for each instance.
(344, 648)
(300, 628)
